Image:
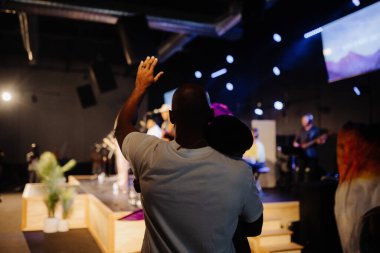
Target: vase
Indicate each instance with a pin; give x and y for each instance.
(63, 225)
(50, 225)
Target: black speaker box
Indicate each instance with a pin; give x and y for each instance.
(101, 76)
(136, 38)
(86, 95)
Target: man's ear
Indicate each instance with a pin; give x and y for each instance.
(171, 117)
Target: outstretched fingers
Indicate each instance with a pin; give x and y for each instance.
(158, 76)
(146, 68)
(141, 65)
(151, 63)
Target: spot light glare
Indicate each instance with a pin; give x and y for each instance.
(219, 73)
(357, 91)
(276, 71)
(356, 2)
(313, 32)
(278, 105)
(230, 59)
(259, 111)
(198, 74)
(6, 96)
(277, 37)
(229, 86)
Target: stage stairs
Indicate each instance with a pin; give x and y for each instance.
(275, 237)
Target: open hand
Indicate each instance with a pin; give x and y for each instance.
(145, 73)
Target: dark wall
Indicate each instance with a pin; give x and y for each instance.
(54, 118)
(331, 104)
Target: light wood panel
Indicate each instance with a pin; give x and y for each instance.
(286, 212)
(34, 209)
(115, 236)
(129, 236)
(98, 223)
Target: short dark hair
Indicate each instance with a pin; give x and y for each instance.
(191, 105)
(153, 117)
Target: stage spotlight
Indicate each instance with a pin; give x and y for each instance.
(356, 2)
(198, 74)
(313, 32)
(276, 71)
(278, 105)
(6, 96)
(219, 73)
(277, 37)
(229, 86)
(259, 112)
(357, 91)
(230, 59)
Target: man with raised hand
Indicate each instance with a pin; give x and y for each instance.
(192, 195)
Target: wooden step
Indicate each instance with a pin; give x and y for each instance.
(275, 237)
(270, 238)
(284, 248)
(271, 224)
(286, 212)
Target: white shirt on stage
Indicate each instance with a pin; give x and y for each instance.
(256, 154)
(192, 198)
(155, 131)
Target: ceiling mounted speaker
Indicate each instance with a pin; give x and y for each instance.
(136, 38)
(102, 77)
(86, 96)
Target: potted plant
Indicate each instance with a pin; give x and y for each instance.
(52, 176)
(67, 201)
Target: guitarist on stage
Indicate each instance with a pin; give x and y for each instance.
(308, 139)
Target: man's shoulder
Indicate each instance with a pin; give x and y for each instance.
(139, 135)
(140, 139)
(229, 161)
(134, 136)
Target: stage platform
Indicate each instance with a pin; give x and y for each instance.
(97, 208)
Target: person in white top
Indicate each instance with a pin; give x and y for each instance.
(192, 195)
(256, 154)
(168, 131)
(153, 128)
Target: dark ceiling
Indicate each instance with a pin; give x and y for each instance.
(71, 24)
(66, 29)
(189, 35)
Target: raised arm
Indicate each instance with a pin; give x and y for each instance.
(125, 122)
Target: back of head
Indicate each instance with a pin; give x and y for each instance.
(151, 120)
(191, 106)
(153, 117)
(229, 135)
(358, 151)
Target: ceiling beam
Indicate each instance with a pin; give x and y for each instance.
(218, 28)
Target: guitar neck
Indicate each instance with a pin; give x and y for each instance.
(309, 143)
(312, 142)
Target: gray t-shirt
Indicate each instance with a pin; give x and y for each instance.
(192, 198)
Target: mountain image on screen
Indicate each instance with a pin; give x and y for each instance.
(351, 45)
(353, 64)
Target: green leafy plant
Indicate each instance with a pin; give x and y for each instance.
(52, 175)
(67, 201)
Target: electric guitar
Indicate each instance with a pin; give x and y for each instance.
(321, 139)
